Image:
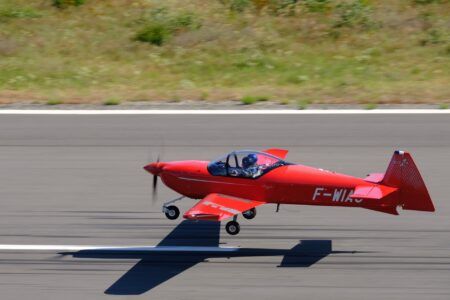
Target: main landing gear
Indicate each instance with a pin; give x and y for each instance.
(171, 211)
(232, 227)
(249, 214)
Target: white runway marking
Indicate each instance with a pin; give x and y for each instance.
(11, 247)
(224, 112)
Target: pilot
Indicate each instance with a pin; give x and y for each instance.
(249, 167)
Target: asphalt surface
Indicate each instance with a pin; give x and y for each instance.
(78, 180)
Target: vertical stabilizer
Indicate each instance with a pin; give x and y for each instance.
(403, 174)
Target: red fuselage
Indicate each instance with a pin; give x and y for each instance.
(288, 184)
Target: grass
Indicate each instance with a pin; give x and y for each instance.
(67, 3)
(13, 12)
(160, 25)
(248, 100)
(54, 102)
(303, 104)
(330, 51)
(371, 106)
(443, 106)
(204, 96)
(112, 101)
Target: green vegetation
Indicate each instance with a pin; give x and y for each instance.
(303, 104)
(204, 96)
(247, 100)
(67, 3)
(341, 51)
(160, 25)
(12, 12)
(154, 34)
(356, 13)
(236, 5)
(317, 5)
(428, 1)
(443, 106)
(112, 101)
(371, 106)
(54, 102)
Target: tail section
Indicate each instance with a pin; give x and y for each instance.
(402, 173)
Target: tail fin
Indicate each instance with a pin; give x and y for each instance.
(402, 173)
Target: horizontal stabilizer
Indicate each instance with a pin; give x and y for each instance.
(374, 177)
(375, 192)
(376, 197)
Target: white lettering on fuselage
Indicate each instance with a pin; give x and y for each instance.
(335, 195)
(317, 192)
(338, 194)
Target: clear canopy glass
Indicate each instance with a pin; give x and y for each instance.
(244, 163)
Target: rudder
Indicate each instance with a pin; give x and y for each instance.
(403, 173)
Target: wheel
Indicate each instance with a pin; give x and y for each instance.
(232, 227)
(249, 214)
(172, 212)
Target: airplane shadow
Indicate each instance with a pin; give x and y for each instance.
(187, 245)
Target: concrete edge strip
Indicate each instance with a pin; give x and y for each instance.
(223, 112)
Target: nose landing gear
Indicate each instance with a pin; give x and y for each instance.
(171, 211)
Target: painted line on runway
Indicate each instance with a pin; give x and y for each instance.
(12, 247)
(224, 112)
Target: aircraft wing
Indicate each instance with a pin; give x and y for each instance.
(217, 207)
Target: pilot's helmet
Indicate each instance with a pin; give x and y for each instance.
(249, 160)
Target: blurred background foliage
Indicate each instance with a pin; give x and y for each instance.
(343, 51)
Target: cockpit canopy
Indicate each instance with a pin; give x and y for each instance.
(244, 164)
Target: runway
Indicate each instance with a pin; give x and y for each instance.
(77, 181)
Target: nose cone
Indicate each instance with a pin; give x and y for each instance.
(154, 168)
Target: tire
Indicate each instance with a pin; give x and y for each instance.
(232, 228)
(249, 214)
(172, 212)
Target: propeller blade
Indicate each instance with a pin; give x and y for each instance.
(154, 190)
(155, 180)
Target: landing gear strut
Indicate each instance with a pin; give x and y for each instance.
(171, 211)
(249, 214)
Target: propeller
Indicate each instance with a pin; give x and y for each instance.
(155, 184)
(155, 176)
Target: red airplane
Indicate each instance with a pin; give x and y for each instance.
(242, 180)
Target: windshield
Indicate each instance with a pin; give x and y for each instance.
(244, 163)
